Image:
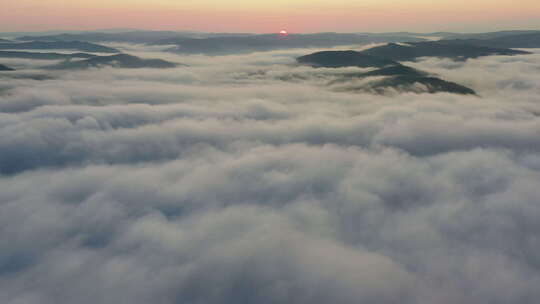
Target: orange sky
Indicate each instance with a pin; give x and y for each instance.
(270, 16)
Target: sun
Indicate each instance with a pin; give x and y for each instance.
(283, 33)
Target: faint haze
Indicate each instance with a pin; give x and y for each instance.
(271, 16)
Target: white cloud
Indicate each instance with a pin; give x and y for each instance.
(243, 179)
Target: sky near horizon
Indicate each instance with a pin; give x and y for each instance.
(271, 16)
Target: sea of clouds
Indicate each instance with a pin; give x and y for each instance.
(247, 179)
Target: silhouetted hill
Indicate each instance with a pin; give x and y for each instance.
(442, 48)
(68, 45)
(396, 70)
(32, 76)
(5, 68)
(338, 59)
(451, 35)
(400, 70)
(404, 79)
(388, 75)
(159, 37)
(128, 36)
(135, 37)
(253, 43)
(117, 61)
(488, 35)
(418, 85)
(43, 56)
(529, 40)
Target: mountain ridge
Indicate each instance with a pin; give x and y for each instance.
(440, 49)
(394, 75)
(5, 68)
(118, 61)
(43, 56)
(70, 45)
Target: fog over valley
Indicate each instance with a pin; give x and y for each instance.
(155, 167)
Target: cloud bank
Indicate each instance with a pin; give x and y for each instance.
(246, 179)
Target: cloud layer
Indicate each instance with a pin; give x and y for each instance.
(246, 179)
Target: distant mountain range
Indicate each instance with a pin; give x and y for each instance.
(244, 44)
(501, 39)
(5, 68)
(488, 35)
(57, 32)
(530, 40)
(387, 73)
(140, 36)
(43, 56)
(454, 49)
(452, 35)
(390, 53)
(228, 43)
(85, 60)
(117, 61)
(126, 36)
(224, 43)
(50, 45)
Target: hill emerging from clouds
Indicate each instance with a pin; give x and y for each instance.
(51, 45)
(392, 75)
(388, 75)
(43, 56)
(441, 49)
(5, 68)
(483, 36)
(525, 40)
(337, 59)
(116, 61)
